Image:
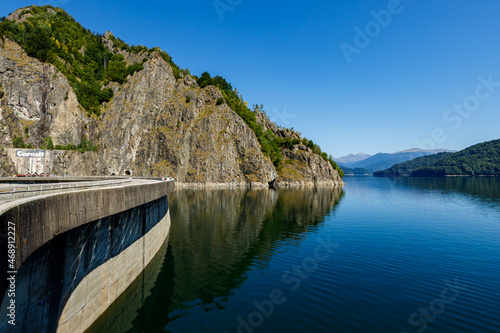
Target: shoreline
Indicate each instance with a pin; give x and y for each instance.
(442, 176)
(256, 185)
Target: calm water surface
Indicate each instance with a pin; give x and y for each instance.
(381, 255)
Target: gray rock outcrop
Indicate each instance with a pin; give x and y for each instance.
(300, 165)
(155, 125)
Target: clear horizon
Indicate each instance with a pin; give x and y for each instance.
(382, 76)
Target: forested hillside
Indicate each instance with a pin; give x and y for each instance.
(356, 171)
(479, 160)
(406, 168)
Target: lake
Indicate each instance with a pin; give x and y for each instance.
(379, 255)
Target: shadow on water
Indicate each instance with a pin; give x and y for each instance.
(217, 237)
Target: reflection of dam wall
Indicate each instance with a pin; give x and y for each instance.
(77, 252)
(153, 286)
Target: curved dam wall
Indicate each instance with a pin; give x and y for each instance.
(72, 264)
(39, 219)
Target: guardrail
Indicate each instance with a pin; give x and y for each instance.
(50, 187)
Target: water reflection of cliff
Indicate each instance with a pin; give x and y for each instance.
(217, 236)
(220, 234)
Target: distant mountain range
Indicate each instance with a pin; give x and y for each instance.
(382, 161)
(430, 151)
(482, 159)
(351, 158)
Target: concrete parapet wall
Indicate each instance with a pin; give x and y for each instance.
(30, 188)
(53, 179)
(38, 219)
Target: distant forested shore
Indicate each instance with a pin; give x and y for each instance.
(482, 159)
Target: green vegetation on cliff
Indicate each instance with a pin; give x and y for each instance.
(52, 35)
(84, 145)
(141, 49)
(329, 158)
(18, 142)
(479, 160)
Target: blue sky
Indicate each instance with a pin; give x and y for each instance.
(397, 92)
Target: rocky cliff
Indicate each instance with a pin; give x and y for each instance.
(155, 125)
(36, 101)
(6, 166)
(300, 165)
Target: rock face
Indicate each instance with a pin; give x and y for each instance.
(130, 58)
(300, 166)
(6, 166)
(155, 125)
(36, 101)
(150, 128)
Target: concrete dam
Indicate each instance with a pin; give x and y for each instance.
(70, 249)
